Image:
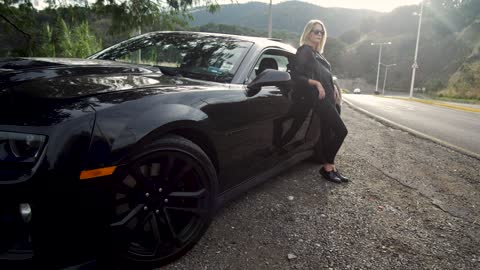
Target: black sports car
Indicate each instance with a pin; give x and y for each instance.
(124, 157)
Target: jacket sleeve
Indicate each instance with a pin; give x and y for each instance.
(303, 70)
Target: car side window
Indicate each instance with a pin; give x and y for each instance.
(153, 56)
(271, 59)
(212, 58)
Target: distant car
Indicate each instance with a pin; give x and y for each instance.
(357, 91)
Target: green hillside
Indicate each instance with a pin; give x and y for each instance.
(288, 16)
(465, 82)
(448, 55)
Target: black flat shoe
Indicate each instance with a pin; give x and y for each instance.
(342, 177)
(330, 176)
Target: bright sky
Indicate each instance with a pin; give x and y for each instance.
(378, 5)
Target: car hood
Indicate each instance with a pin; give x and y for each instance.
(63, 78)
(33, 91)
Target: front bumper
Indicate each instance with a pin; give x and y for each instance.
(67, 224)
(15, 245)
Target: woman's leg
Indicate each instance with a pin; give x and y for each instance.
(334, 132)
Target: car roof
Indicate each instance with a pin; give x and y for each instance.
(260, 41)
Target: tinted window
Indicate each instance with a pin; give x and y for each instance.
(271, 59)
(213, 58)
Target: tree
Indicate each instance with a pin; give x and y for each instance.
(471, 9)
(127, 16)
(463, 12)
(334, 49)
(85, 43)
(18, 19)
(134, 15)
(351, 36)
(47, 47)
(61, 39)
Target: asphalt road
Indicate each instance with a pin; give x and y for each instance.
(456, 127)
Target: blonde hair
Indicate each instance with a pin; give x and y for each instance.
(308, 29)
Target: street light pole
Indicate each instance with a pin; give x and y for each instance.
(385, 76)
(415, 65)
(270, 20)
(379, 60)
(378, 68)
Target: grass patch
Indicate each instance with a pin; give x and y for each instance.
(455, 99)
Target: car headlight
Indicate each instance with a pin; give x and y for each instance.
(21, 147)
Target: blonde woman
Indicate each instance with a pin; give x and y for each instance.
(312, 75)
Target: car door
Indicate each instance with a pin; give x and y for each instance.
(290, 127)
(244, 131)
(252, 127)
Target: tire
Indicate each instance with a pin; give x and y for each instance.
(163, 203)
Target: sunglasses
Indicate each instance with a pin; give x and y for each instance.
(318, 32)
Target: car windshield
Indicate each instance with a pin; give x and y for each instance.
(205, 57)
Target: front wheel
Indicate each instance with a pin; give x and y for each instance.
(164, 202)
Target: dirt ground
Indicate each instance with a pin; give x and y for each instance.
(411, 204)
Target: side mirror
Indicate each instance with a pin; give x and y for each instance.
(268, 77)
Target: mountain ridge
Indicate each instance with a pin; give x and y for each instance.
(290, 16)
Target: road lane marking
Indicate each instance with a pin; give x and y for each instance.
(413, 132)
(431, 102)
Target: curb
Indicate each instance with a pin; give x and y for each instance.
(413, 132)
(431, 102)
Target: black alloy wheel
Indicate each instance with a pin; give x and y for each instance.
(164, 203)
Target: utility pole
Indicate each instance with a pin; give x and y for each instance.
(379, 60)
(415, 65)
(270, 20)
(385, 76)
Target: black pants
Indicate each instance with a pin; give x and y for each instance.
(333, 131)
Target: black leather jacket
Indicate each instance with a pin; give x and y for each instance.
(310, 64)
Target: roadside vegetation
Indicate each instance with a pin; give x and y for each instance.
(76, 28)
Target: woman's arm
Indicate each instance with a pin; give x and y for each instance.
(303, 69)
(302, 73)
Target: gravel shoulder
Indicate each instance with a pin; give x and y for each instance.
(412, 204)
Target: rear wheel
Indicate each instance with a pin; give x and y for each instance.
(164, 202)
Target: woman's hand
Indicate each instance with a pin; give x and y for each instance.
(321, 90)
(319, 87)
